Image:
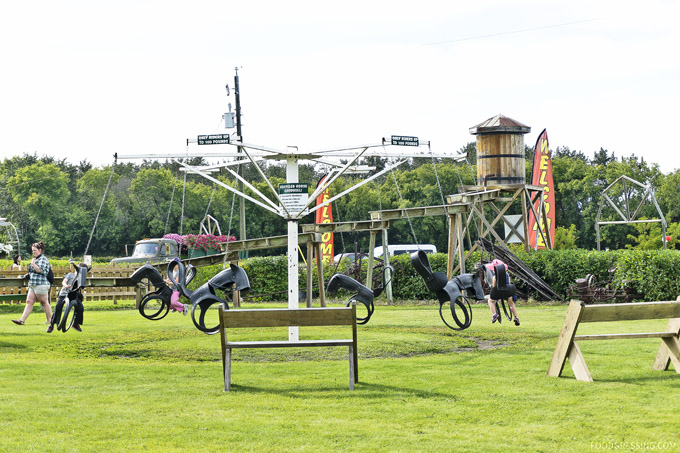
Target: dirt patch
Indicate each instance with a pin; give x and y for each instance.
(484, 345)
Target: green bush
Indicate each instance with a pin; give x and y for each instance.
(651, 273)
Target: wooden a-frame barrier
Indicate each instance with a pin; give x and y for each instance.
(479, 197)
(578, 312)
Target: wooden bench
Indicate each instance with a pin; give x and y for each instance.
(579, 312)
(282, 317)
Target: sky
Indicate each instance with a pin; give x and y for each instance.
(83, 80)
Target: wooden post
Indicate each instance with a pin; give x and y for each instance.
(663, 356)
(566, 339)
(138, 296)
(453, 242)
(386, 257)
(369, 270)
(662, 360)
(578, 364)
(310, 277)
(320, 278)
(525, 199)
(460, 240)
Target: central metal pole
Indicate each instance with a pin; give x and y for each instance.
(293, 285)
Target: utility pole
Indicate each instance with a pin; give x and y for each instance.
(241, 201)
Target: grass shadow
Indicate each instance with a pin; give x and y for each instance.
(5, 345)
(362, 389)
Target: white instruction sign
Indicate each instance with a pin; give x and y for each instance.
(294, 196)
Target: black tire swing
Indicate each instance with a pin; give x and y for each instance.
(69, 310)
(506, 310)
(66, 323)
(501, 291)
(467, 313)
(156, 304)
(202, 299)
(452, 291)
(363, 294)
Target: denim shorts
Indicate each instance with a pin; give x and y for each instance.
(40, 290)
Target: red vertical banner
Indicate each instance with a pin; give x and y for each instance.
(542, 175)
(325, 215)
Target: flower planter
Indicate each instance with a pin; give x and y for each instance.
(196, 253)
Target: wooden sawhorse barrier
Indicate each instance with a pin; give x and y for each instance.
(579, 312)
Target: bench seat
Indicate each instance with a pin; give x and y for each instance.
(287, 344)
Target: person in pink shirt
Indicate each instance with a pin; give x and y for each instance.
(174, 299)
(490, 277)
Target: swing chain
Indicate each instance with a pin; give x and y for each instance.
(231, 216)
(106, 190)
(401, 199)
(172, 197)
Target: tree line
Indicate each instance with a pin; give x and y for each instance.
(57, 202)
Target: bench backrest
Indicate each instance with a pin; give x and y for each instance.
(284, 317)
(630, 312)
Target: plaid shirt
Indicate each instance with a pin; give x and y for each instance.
(36, 278)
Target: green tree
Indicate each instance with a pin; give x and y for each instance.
(150, 194)
(565, 238)
(110, 230)
(42, 189)
(668, 196)
(650, 236)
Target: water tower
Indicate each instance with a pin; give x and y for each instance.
(500, 151)
(501, 181)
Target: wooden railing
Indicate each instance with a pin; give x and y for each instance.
(104, 283)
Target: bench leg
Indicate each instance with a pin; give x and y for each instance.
(566, 338)
(352, 368)
(663, 359)
(673, 347)
(578, 364)
(227, 369)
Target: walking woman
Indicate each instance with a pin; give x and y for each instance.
(38, 286)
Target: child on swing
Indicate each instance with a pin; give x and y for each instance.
(174, 299)
(490, 276)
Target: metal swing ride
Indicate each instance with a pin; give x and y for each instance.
(291, 201)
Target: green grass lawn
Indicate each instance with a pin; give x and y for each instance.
(129, 384)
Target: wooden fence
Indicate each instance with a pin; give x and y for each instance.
(12, 294)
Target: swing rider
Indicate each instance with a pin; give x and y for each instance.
(231, 278)
(162, 293)
(501, 290)
(70, 295)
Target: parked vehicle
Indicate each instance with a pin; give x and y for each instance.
(352, 257)
(400, 249)
(156, 250)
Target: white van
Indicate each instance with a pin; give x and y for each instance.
(400, 249)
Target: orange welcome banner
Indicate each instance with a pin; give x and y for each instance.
(542, 175)
(325, 215)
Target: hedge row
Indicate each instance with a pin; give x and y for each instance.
(653, 273)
